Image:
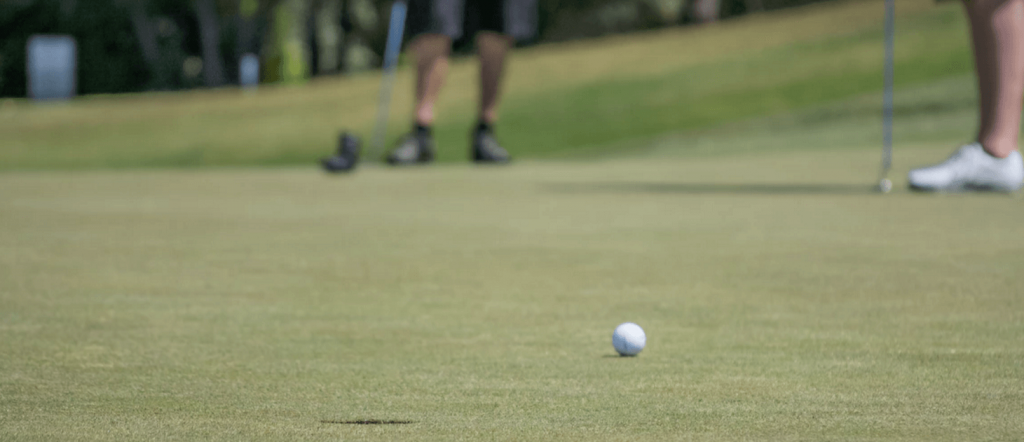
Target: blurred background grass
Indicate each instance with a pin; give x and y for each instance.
(610, 95)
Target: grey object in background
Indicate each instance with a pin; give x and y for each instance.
(52, 67)
(393, 47)
(890, 30)
(249, 71)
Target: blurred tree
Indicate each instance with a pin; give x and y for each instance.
(209, 31)
(132, 45)
(320, 37)
(287, 54)
(668, 11)
(705, 11)
(109, 57)
(247, 27)
(145, 30)
(328, 36)
(364, 37)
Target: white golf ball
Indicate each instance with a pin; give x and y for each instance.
(629, 339)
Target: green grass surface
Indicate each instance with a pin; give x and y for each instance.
(782, 299)
(562, 100)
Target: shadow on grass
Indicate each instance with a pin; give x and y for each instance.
(365, 422)
(713, 189)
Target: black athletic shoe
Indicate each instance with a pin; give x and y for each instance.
(347, 157)
(485, 149)
(415, 148)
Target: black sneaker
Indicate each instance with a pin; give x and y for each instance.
(415, 148)
(485, 149)
(347, 157)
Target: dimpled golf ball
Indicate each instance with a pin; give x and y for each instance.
(629, 339)
(885, 185)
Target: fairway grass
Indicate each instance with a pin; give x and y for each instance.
(782, 300)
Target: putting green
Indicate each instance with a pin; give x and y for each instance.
(782, 301)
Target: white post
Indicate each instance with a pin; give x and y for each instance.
(51, 65)
(249, 71)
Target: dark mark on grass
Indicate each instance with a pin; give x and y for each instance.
(365, 422)
(683, 188)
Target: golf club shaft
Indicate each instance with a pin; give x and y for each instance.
(396, 30)
(890, 18)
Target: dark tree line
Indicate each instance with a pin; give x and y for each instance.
(139, 45)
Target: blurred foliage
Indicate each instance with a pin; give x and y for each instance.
(108, 54)
(136, 45)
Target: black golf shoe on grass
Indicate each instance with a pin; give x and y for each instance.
(485, 149)
(415, 148)
(347, 157)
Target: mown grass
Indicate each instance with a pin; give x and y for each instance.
(566, 99)
(782, 298)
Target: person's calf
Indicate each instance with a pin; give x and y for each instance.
(492, 49)
(431, 53)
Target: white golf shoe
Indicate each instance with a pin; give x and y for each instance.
(970, 168)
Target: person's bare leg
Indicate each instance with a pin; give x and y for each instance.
(993, 162)
(431, 52)
(997, 31)
(492, 48)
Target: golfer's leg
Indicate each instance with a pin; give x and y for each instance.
(492, 48)
(997, 31)
(431, 52)
(433, 25)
